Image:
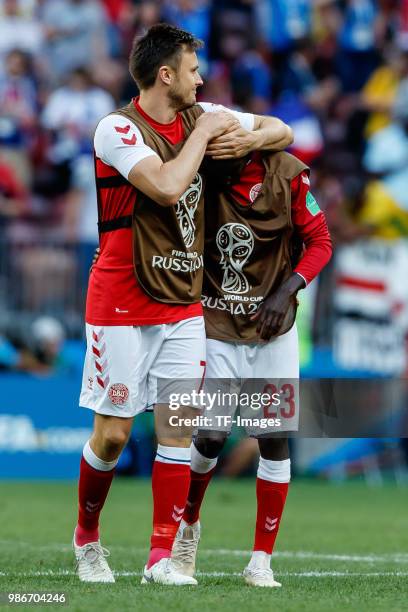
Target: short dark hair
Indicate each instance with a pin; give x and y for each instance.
(163, 43)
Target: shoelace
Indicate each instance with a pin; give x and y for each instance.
(261, 572)
(186, 550)
(98, 549)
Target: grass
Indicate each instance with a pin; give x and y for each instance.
(340, 547)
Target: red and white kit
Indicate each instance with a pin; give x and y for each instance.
(132, 339)
(278, 360)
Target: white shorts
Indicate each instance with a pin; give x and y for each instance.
(130, 368)
(242, 374)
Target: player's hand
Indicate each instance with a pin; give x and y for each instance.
(95, 258)
(234, 143)
(215, 124)
(271, 312)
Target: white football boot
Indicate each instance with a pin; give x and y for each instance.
(258, 571)
(260, 577)
(91, 563)
(185, 547)
(166, 572)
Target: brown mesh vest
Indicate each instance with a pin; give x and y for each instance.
(168, 242)
(249, 252)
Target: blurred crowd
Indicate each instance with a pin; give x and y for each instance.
(335, 70)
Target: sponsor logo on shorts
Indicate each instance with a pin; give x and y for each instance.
(118, 394)
(255, 191)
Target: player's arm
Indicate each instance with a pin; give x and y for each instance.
(166, 182)
(267, 133)
(119, 143)
(310, 224)
(271, 134)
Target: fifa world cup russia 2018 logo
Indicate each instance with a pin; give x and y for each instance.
(235, 242)
(186, 208)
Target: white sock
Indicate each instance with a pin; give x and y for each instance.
(274, 471)
(95, 462)
(173, 454)
(199, 463)
(260, 560)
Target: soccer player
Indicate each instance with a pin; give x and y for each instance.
(258, 224)
(143, 314)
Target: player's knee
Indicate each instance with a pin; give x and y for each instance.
(114, 440)
(210, 447)
(274, 449)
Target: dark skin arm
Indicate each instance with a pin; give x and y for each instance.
(271, 312)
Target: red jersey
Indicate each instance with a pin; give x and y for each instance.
(114, 294)
(307, 218)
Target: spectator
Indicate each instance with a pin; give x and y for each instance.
(193, 16)
(72, 113)
(400, 103)
(144, 15)
(13, 358)
(18, 110)
(27, 8)
(13, 198)
(380, 91)
(300, 79)
(251, 80)
(239, 60)
(13, 205)
(403, 23)
(80, 217)
(37, 348)
(119, 15)
(309, 143)
(76, 34)
(47, 337)
(283, 23)
(18, 31)
(358, 55)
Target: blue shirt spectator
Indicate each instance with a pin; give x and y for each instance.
(193, 16)
(357, 33)
(283, 22)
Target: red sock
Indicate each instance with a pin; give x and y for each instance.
(271, 497)
(170, 483)
(93, 489)
(198, 487)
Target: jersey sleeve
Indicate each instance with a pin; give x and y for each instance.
(119, 143)
(310, 224)
(247, 120)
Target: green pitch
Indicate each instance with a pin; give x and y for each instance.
(341, 547)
